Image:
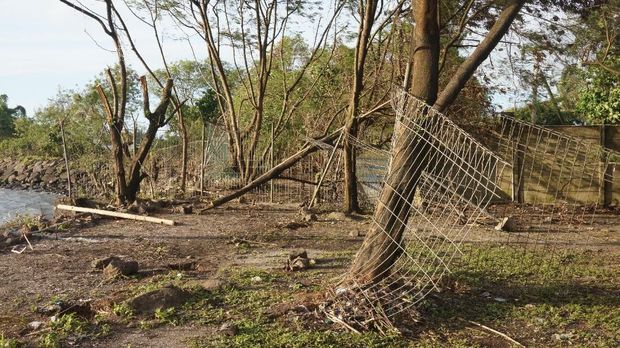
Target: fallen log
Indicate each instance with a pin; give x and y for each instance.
(275, 171)
(116, 214)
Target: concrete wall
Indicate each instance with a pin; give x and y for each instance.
(555, 173)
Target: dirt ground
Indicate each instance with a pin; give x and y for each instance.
(242, 249)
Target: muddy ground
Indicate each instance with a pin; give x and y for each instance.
(230, 262)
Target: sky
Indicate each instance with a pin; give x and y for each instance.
(45, 46)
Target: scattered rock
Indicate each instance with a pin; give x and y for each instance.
(500, 299)
(293, 225)
(298, 261)
(486, 294)
(35, 325)
(186, 209)
(183, 265)
(562, 336)
(102, 263)
(118, 267)
(163, 298)
(507, 224)
(298, 253)
(354, 233)
(336, 215)
(228, 329)
(309, 217)
(212, 284)
(137, 207)
(256, 279)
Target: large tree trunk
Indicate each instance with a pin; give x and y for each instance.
(350, 201)
(381, 246)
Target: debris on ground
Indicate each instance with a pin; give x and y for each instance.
(118, 267)
(307, 217)
(298, 261)
(294, 225)
(337, 216)
(164, 298)
(35, 325)
(507, 224)
(185, 209)
(228, 329)
(103, 262)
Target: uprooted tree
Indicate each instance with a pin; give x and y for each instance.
(114, 103)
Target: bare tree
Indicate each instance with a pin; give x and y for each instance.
(115, 104)
(254, 32)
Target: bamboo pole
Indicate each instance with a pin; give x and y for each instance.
(116, 214)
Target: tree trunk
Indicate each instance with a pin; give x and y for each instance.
(273, 172)
(381, 246)
(350, 200)
(184, 145)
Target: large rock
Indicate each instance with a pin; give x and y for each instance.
(118, 267)
(163, 298)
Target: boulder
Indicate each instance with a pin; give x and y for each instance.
(119, 267)
(163, 298)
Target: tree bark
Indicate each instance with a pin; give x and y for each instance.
(482, 51)
(350, 200)
(381, 246)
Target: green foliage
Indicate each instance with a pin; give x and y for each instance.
(8, 116)
(207, 106)
(599, 100)
(8, 342)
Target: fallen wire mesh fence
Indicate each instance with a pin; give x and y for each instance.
(443, 209)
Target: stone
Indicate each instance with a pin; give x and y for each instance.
(354, 233)
(186, 209)
(228, 329)
(298, 261)
(293, 225)
(507, 224)
(298, 253)
(337, 216)
(309, 217)
(118, 267)
(138, 208)
(212, 284)
(164, 298)
(102, 263)
(35, 325)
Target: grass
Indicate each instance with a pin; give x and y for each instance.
(539, 299)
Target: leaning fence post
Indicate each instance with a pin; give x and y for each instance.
(518, 152)
(327, 165)
(271, 165)
(606, 190)
(202, 162)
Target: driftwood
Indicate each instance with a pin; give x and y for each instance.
(275, 171)
(116, 214)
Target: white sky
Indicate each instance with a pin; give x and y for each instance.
(45, 45)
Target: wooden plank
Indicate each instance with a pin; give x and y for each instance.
(116, 214)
